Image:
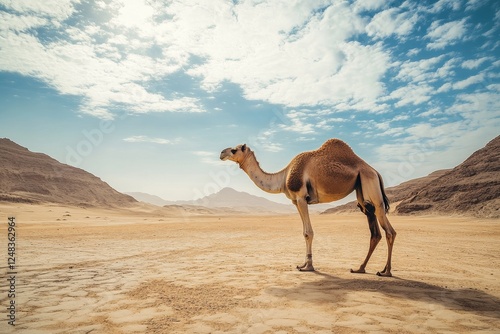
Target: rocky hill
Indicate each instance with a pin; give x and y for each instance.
(471, 188)
(31, 177)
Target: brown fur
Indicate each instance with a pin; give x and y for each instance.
(296, 171)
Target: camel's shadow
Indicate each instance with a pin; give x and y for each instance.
(333, 289)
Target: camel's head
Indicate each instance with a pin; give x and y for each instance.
(236, 154)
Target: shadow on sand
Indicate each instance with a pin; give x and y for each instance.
(334, 289)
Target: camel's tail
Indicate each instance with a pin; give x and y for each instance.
(386, 199)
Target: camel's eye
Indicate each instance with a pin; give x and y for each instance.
(233, 151)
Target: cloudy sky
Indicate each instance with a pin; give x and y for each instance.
(145, 94)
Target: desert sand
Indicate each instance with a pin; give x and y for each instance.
(102, 271)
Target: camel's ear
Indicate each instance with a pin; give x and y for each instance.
(243, 147)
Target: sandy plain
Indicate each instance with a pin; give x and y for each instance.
(102, 271)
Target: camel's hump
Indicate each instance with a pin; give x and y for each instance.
(332, 154)
(335, 144)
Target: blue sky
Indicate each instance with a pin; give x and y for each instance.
(145, 94)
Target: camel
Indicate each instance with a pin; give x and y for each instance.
(327, 174)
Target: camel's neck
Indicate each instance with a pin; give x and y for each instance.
(271, 183)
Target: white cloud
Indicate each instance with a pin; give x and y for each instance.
(447, 70)
(421, 70)
(445, 87)
(293, 59)
(382, 125)
(481, 109)
(146, 139)
(265, 140)
(445, 4)
(469, 81)
(391, 21)
(381, 128)
(494, 87)
(273, 147)
(304, 56)
(474, 4)
(324, 125)
(133, 13)
(394, 131)
(411, 94)
(305, 139)
(474, 63)
(445, 137)
(424, 130)
(413, 52)
(431, 112)
(19, 23)
(462, 84)
(362, 5)
(308, 121)
(298, 123)
(401, 118)
(442, 35)
(420, 150)
(78, 64)
(54, 9)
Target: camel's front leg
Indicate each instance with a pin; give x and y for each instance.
(301, 205)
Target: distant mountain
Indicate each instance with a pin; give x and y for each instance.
(148, 198)
(236, 201)
(471, 188)
(31, 177)
(242, 201)
(395, 194)
(195, 210)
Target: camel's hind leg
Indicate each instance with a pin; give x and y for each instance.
(375, 237)
(370, 190)
(390, 235)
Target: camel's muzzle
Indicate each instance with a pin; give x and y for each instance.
(224, 155)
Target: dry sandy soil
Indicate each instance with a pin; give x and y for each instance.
(98, 271)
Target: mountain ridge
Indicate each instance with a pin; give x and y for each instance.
(472, 187)
(31, 177)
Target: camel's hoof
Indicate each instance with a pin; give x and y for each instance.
(306, 267)
(359, 271)
(384, 274)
